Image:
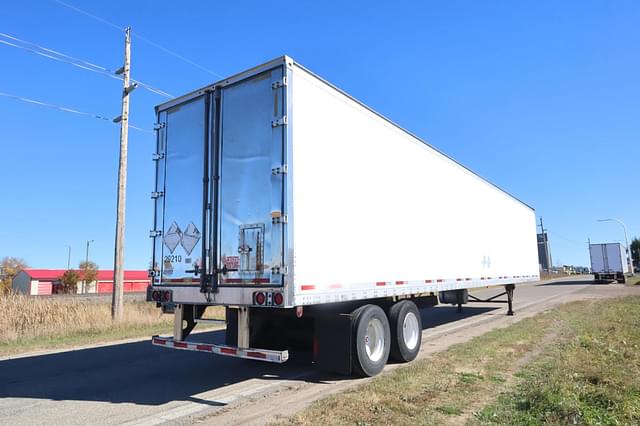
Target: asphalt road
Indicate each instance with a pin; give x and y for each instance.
(138, 383)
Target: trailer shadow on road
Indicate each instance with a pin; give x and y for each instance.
(139, 373)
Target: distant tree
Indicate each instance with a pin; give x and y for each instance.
(635, 251)
(9, 268)
(69, 281)
(89, 271)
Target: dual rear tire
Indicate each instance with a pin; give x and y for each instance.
(377, 336)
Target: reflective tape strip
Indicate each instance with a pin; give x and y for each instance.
(307, 287)
(246, 281)
(261, 354)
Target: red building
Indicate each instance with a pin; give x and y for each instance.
(47, 281)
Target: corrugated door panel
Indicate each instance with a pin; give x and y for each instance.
(44, 287)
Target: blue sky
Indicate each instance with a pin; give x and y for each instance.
(540, 97)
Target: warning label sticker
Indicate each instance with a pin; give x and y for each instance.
(190, 238)
(231, 262)
(172, 237)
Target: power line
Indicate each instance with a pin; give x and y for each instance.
(76, 62)
(146, 40)
(97, 18)
(66, 109)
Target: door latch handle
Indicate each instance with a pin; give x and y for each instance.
(194, 271)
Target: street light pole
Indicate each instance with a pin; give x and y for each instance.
(86, 258)
(626, 240)
(86, 263)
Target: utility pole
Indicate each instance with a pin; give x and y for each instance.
(69, 258)
(545, 242)
(117, 307)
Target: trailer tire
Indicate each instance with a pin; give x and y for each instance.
(406, 331)
(371, 338)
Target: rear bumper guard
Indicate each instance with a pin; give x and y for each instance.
(268, 355)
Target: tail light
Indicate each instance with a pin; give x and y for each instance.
(155, 295)
(268, 298)
(166, 296)
(278, 299)
(260, 298)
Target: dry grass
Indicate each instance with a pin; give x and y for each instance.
(28, 323)
(25, 317)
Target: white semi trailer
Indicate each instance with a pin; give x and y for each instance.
(318, 223)
(608, 262)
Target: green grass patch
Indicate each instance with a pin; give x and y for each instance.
(577, 364)
(634, 280)
(79, 338)
(592, 376)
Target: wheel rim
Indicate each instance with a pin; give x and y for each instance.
(410, 331)
(374, 340)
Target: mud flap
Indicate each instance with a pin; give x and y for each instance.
(333, 344)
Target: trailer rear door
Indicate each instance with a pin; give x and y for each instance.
(251, 216)
(178, 195)
(614, 257)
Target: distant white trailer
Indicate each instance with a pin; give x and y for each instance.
(608, 262)
(319, 221)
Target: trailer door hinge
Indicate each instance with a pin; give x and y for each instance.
(157, 157)
(279, 122)
(279, 219)
(282, 270)
(155, 233)
(158, 126)
(157, 194)
(279, 83)
(282, 170)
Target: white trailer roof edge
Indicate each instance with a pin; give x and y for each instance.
(281, 60)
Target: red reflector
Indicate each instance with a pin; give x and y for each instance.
(400, 282)
(260, 298)
(467, 279)
(277, 298)
(440, 280)
(307, 287)
(229, 351)
(381, 283)
(458, 279)
(256, 355)
(428, 281)
(204, 347)
(335, 285)
(180, 344)
(159, 341)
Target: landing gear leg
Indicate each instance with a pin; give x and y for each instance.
(509, 290)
